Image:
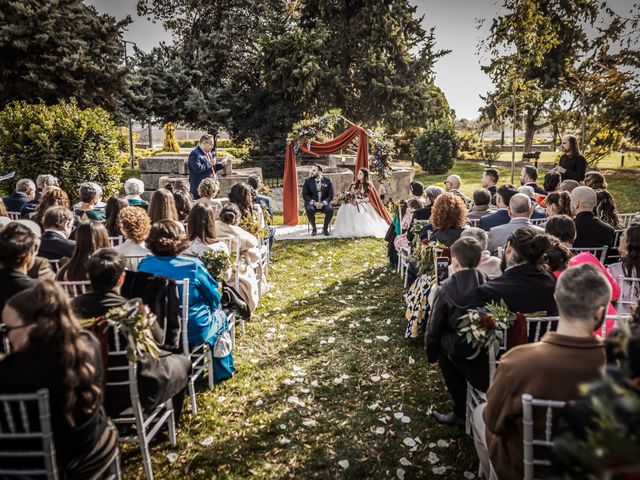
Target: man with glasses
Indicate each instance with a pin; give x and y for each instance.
(202, 164)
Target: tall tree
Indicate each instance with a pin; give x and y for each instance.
(53, 49)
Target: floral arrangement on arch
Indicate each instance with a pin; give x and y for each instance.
(486, 327)
(133, 320)
(383, 152)
(307, 130)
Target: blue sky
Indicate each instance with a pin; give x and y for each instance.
(457, 74)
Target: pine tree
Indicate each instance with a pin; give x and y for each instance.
(170, 140)
(53, 49)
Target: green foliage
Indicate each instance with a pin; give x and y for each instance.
(53, 50)
(74, 144)
(435, 150)
(469, 141)
(170, 140)
(188, 143)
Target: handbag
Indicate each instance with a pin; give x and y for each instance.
(231, 300)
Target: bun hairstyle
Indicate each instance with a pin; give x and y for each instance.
(56, 329)
(167, 238)
(557, 256)
(230, 214)
(528, 246)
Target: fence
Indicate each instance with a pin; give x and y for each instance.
(272, 168)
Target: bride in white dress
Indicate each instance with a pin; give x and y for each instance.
(361, 219)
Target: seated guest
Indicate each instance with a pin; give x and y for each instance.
(183, 204)
(590, 230)
(42, 182)
(112, 211)
(134, 187)
(162, 206)
(448, 219)
(520, 209)
(135, 226)
(201, 231)
(488, 265)
(208, 191)
(49, 349)
(629, 267)
(481, 204)
(416, 192)
(401, 242)
(452, 185)
(207, 321)
(606, 205)
(255, 182)
(558, 203)
(569, 185)
(424, 213)
(525, 285)
(490, 179)
(55, 243)
(90, 236)
(562, 228)
(240, 196)
(88, 209)
(528, 177)
(442, 342)
(551, 183)
(551, 369)
(501, 216)
(227, 226)
(538, 212)
(158, 379)
(18, 246)
(25, 191)
(50, 198)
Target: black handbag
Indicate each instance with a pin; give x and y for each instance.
(231, 300)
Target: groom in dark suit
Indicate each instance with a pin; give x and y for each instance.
(318, 194)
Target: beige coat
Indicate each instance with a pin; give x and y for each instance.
(249, 260)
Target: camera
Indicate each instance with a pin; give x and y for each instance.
(531, 155)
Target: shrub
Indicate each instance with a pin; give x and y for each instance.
(436, 149)
(170, 140)
(225, 143)
(76, 145)
(188, 143)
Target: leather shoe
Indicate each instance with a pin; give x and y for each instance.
(325, 232)
(448, 419)
(314, 232)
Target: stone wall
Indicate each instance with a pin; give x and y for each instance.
(157, 171)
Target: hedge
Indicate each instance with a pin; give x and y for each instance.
(76, 145)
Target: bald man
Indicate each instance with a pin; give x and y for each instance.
(520, 210)
(590, 230)
(452, 185)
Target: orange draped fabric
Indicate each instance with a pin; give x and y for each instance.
(290, 189)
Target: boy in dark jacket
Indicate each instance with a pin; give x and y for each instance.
(458, 361)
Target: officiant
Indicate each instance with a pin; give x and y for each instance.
(202, 164)
(318, 194)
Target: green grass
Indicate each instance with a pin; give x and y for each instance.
(322, 289)
(624, 185)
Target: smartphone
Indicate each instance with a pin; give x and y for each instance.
(442, 269)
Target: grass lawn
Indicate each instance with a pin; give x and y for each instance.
(623, 184)
(322, 370)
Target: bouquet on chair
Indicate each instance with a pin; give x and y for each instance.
(251, 224)
(486, 327)
(217, 263)
(132, 320)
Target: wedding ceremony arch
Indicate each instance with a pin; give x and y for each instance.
(313, 147)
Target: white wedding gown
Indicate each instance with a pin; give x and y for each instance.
(360, 221)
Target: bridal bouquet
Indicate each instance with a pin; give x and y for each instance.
(347, 197)
(217, 263)
(485, 327)
(264, 190)
(133, 320)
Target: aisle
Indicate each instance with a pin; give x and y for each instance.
(325, 377)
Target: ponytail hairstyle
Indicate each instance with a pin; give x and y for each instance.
(528, 246)
(557, 256)
(365, 184)
(56, 329)
(230, 214)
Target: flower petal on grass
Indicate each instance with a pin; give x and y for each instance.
(400, 473)
(409, 442)
(398, 415)
(284, 440)
(405, 462)
(384, 338)
(405, 419)
(380, 430)
(433, 458)
(207, 441)
(172, 457)
(439, 470)
(258, 402)
(411, 360)
(375, 378)
(443, 443)
(344, 464)
(469, 475)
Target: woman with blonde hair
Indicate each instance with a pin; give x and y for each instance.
(51, 197)
(135, 226)
(208, 190)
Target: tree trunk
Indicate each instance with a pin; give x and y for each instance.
(529, 131)
(502, 137)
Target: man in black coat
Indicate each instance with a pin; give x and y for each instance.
(442, 342)
(528, 178)
(590, 230)
(24, 193)
(317, 192)
(55, 243)
(158, 380)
